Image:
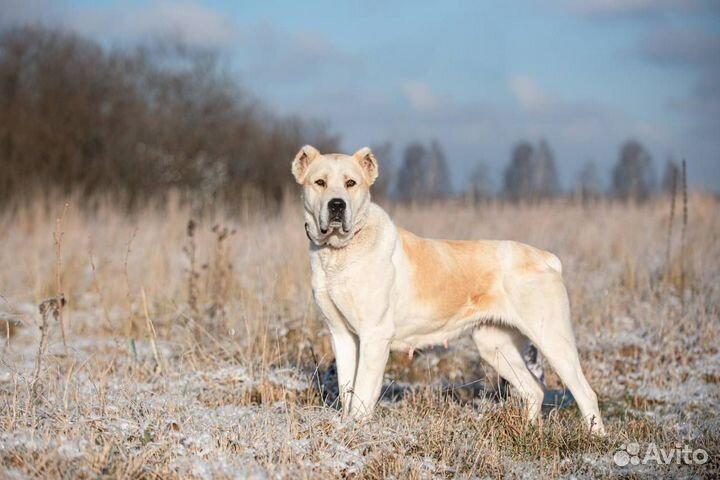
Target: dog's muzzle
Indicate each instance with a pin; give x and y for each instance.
(336, 213)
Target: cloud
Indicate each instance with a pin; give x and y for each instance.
(639, 8)
(267, 55)
(681, 47)
(527, 93)
(575, 122)
(698, 53)
(702, 105)
(420, 96)
(28, 11)
(693, 51)
(190, 22)
(292, 57)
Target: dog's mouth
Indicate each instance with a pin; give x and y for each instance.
(338, 223)
(334, 225)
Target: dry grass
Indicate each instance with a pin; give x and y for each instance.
(202, 355)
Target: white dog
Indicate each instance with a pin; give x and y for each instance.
(382, 288)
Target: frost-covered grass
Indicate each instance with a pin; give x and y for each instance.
(219, 367)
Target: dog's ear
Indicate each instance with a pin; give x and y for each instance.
(369, 164)
(302, 160)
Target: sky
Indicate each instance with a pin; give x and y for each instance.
(478, 76)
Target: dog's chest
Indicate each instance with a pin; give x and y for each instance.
(355, 286)
(344, 284)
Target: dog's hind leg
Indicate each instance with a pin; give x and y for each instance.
(502, 348)
(543, 309)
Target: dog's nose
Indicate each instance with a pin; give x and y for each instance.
(336, 206)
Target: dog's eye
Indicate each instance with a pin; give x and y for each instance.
(320, 182)
(350, 183)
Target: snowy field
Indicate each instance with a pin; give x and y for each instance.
(195, 351)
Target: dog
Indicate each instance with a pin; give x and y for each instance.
(382, 288)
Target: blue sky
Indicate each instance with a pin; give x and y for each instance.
(476, 75)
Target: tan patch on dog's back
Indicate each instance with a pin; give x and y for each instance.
(527, 259)
(456, 278)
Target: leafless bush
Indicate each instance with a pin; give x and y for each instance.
(135, 123)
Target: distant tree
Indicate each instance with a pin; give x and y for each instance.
(588, 185)
(633, 176)
(384, 154)
(411, 179)
(424, 173)
(479, 184)
(546, 181)
(438, 173)
(671, 174)
(531, 173)
(520, 173)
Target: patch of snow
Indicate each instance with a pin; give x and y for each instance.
(342, 458)
(73, 449)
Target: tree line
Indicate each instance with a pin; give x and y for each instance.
(135, 123)
(138, 123)
(530, 175)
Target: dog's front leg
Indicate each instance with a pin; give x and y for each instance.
(374, 352)
(345, 346)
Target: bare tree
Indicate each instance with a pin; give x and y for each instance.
(424, 173)
(438, 173)
(588, 185)
(633, 176)
(479, 185)
(546, 181)
(411, 180)
(135, 123)
(531, 173)
(519, 174)
(670, 177)
(384, 153)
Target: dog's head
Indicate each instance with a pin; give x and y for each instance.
(336, 193)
